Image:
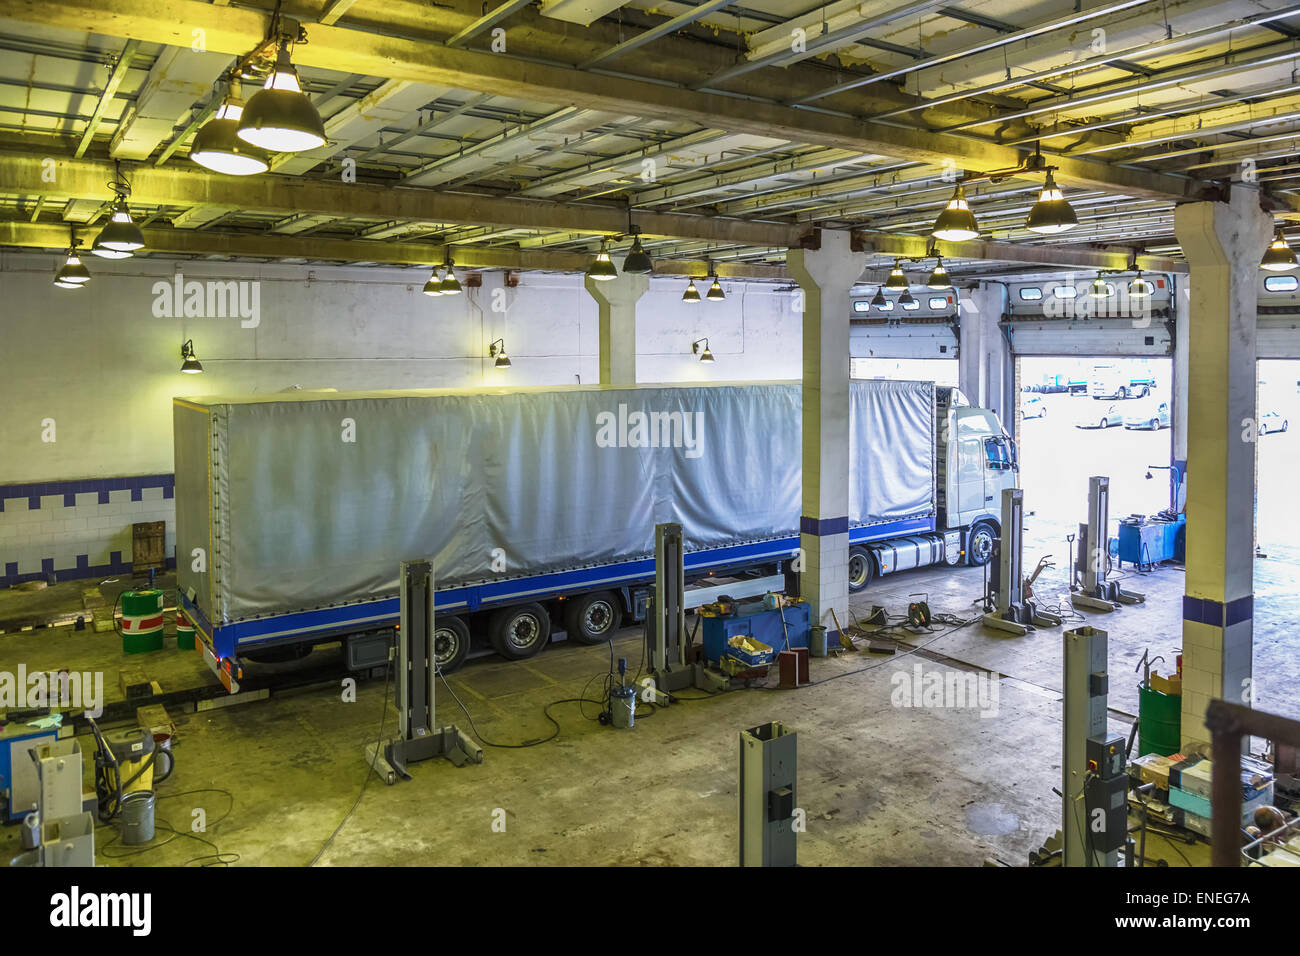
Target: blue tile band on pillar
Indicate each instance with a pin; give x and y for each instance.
(33, 491)
(821, 527)
(1217, 614)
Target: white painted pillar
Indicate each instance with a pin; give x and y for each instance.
(826, 275)
(616, 301)
(1223, 243)
(985, 368)
(1179, 411)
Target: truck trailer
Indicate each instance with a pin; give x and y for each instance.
(537, 506)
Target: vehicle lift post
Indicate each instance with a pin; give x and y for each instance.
(1094, 785)
(769, 795)
(1098, 594)
(665, 622)
(1014, 613)
(416, 676)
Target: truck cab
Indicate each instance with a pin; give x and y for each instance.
(984, 461)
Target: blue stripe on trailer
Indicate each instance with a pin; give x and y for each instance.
(384, 611)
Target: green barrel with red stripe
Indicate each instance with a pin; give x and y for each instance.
(184, 632)
(142, 621)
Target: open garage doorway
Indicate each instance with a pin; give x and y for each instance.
(1081, 417)
(1277, 462)
(939, 371)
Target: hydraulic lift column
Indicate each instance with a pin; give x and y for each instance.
(1094, 805)
(769, 768)
(1013, 612)
(1098, 594)
(415, 678)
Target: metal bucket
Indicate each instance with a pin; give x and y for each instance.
(817, 640)
(622, 707)
(137, 817)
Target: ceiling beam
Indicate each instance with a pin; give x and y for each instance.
(115, 79)
(214, 243)
(1068, 256)
(85, 179)
(235, 30)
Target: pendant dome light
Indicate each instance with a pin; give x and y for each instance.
(879, 300)
(938, 276)
(1139, 288)
(956, 223)
(217, 145)
(72, 274)
(106, 253)
(638, 261)
(450, 284)
(280, 118)
(691, 294)
(715, 293)
(1279, 257)
(434, 286)
(120, 234)
(1052, 213)
(602, 268)
(896, 280)
(906, 298)
(1100, 288)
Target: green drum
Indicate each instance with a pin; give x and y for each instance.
(1159, 722)
(142, 621)
(184, 632)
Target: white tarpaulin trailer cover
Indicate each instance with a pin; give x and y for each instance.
(293, 501)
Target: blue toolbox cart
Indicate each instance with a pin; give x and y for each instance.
(1149, 542)
(19, 785)
(753, 619)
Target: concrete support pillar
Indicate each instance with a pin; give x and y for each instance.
(1179, 411)
(616, 301)
(826, 275)
(985, 368)
(1223, 243)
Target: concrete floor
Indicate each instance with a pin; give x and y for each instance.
(881, 785)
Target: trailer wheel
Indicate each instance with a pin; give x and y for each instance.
(450, 642)
(861, 569)
(979, 544)
(519, 632)
(592, 618)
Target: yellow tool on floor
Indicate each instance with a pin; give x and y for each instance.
(845, 641)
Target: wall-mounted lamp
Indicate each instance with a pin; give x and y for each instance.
(190, 363)
(497, 350)
(704, 353)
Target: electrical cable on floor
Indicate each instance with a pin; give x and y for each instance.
(370, 770)
(218, 857)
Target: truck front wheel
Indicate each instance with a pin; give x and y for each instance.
(861, 569)
(519, 632)
(979, 544)
(450, 642)
(592, 618)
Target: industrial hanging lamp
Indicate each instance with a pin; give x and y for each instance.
(217, 145)
(704, 354)
(497, 350)
(1279, 257)
(879, 300)
(896, 280)
(956, 223)
(1100, 288)
(190, 363)
(450, 284)
(906, 299)
(602, 268)
(715, 293)
(434, 286)
(938, 276)
(691, 294)
(120, 234)
(280, 118)
(1139, 288)
(72, 274)
(638, 261)
(1052, 213)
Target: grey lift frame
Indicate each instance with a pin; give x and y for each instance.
(1014, 613)
(1094, 805)
(1098, 594)
(769, 770)
(416, 676)
(665, 621)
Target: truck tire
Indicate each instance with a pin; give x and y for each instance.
(520, 631)
(592, 618)
(862, 568)
(979, 544)
(450, 642)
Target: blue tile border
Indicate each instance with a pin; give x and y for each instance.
(84, 569)
(821, 527)
(33, 491)
(1217, 614)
